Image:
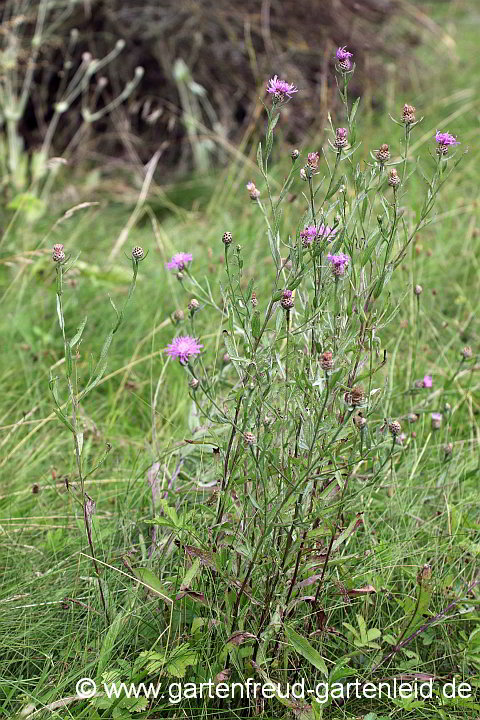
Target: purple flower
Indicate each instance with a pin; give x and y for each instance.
(311, 233)
(253, 191)
(343, 54)
(436, 420)
(182, 347)
(445, 139)
(343, 57)
(427, 381)
(179, 261)
(339, 263)
(280, 88)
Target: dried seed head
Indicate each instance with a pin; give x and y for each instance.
(358, 396)
(326, 361)
(58, 254)
(193, 305)
(288, 300)
(467, 352)
(227, 238)
(249, 438)
(418, 289)
(254, 300)
(178, 316)
(194, 383)
(383, 154)
(408, 114)
(138, 253)
(395, 428)
(393, 178)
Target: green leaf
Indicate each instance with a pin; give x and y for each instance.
(76, 338)
(152, 582)
(108, 644)
(354, 110)
(260, 157)
(256, 324)
(303, 647)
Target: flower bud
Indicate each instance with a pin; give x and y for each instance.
(326, 361)
(395, 428)
(193, 305)
(418, 289)
(436, 420)
(467, 352)
(138, 253)
(253, 191)
(408, 114)
(412, 417)
(383, 154)
(393, 178)
(288, 300)
(227, 238)
(194, 383)
(254, 300)
(341, 138)
(249, 438)
(295, 154)
(58, 254)
(178, 316)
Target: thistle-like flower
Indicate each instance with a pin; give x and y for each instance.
(343, 57)
(467, 352)
(183, 347)
(313, 159)
(193, 305)
(179, 261)
(249, 438)
(288, 300)
(444, 142)
(280, 88)
(227, 238)
(436, 418)
(339, 263)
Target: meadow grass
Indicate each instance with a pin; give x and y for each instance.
(423, 509)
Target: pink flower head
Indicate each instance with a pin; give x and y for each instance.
(253, 190)
(427, 381)
(326, 232)
(339, 263)
(445, 139)
(343, 57)
(280, 88)
(311, 233)
(179, 261)
(343, 54)
(182, 347)
(308, 235)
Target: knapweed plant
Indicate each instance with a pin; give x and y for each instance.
(67, 408)
(294, 415)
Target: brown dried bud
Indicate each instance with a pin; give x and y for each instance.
(395, 428)
(326, 361)
(359, 421)
(408, 114)
(393, 178)
(178, 316)
(383, 154)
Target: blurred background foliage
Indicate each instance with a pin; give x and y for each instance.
(205, 64)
